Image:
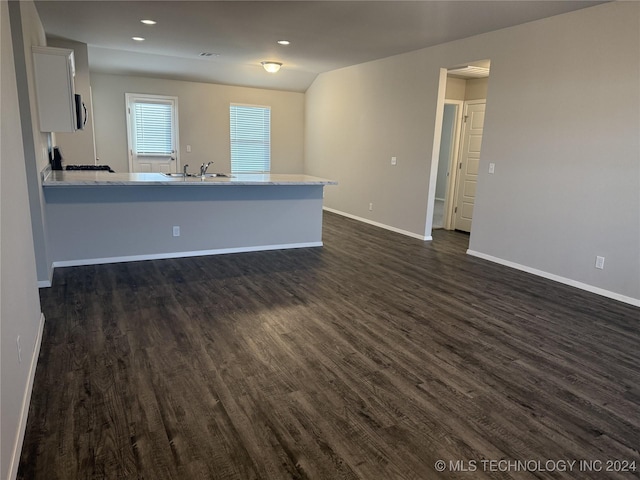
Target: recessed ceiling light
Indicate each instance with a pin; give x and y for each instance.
(138, 39)
(148, 22)
(284, 42)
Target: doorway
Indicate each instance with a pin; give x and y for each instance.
(457, 141)
(152, 133)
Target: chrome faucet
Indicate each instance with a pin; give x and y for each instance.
(184, 170)
(203, 168)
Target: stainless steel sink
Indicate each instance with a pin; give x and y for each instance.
(195, 175)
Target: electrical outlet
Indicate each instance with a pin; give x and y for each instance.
(176, 231)
(19, 349)
(492, 168)
(600, 263)
(371, 207)
(394, 161)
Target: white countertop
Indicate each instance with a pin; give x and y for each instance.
(75, 178)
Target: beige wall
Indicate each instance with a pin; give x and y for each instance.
(561, 127)
(19, 302)
(476, 89)
(77, 148)
(456, 88)
(470, 89)
(203, 120)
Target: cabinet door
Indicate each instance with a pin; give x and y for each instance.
(54, 71)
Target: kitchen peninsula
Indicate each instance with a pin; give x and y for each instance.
(99, 217)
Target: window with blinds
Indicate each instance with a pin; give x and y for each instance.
(153, 129)
(250, 128)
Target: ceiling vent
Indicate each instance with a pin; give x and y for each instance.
(209, 54)
(469, 71)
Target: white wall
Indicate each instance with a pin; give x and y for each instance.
(19, 302)
(357, 118)
(203, 120)
(561, 126)
(27, 31)
(563, 120)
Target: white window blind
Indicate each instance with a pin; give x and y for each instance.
(250, 128)
(153, 128)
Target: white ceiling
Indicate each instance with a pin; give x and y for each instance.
(324, 35)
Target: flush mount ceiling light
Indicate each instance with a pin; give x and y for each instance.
(271, 67)
(138, 39)
(470, 71)
(148, 22)
(284, 42)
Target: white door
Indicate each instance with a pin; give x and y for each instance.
(468, 164)
(152, 132)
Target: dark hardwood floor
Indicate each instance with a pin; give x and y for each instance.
(370, 358)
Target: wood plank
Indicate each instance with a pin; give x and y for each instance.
(370, 358)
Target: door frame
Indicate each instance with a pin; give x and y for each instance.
(128, 98)
(450, 198)
(435, 153)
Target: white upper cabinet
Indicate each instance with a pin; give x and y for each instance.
(55, 91)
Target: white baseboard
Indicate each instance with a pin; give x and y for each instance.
(558, 278)
(26, 401)
(198, 253)
(376, 224)
(49, 281)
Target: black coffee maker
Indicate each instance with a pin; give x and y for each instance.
(55, 159)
